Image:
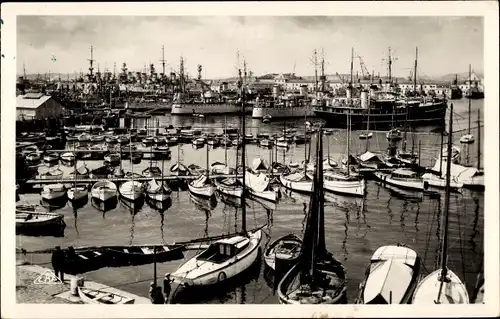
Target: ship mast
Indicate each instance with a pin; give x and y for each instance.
(91, 60)
(322, 78)
(243, 206)
(163, 58)
(315, 61)
(389, 64)
(352, 64)
(415, 71)
(24, 71)
(181, 73)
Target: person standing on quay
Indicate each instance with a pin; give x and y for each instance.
(166, 287)
(58, 263)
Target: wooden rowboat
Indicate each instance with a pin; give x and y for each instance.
(99, 297)
(144, 254)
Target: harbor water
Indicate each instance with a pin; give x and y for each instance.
(354, 227)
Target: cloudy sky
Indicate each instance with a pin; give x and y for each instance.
(61, 44)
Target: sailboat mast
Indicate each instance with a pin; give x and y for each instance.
(446, 214)
(470, 80)
(389, 63)
(162, 169)
(131, 162)
(225, 140)
(441, 156)
(367, 131)
(207, 163)
(352, 64)
(243, 206)
(415, 71)
(478, 139)
(348, 141)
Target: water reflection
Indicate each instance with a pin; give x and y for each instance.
(105, 206)
(389, 210)
(475, 231)
(203, 204)
(75, 216)
(346, 229)
(417, 213)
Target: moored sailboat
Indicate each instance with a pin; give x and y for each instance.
(317, 277)
(443, 285)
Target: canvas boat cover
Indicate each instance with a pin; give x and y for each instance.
(390, 275)
(458, 172)
(369, 156)
(257, 182)
(200, 182)
(259, 164)
(298, 177)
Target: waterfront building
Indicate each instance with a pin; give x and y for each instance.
(37, 106)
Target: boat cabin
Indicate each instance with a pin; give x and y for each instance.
(224, 249)
(404, 174)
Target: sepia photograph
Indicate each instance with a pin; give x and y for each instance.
(258, 159)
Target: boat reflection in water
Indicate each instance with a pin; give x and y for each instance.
(203, 203)
(104, 206)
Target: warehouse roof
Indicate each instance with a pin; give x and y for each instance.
(31, 100)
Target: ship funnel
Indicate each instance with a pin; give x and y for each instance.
(365, 101)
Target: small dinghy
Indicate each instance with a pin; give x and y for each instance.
(144, 254)
(33, 157)
(266, 143)
(53, 173)
(299, 181)
(283, 251)
(111, 139)
(467, 139)
(51, 157)
(202, 187)
(213, 142)
(28, 220)
(159, 140)
(157, 191)
(99, 297)
(68, 157)
(282, 142)
(132, 190)
(259, 185)
(152, 171)
(53, 192)
(365, 136)
(104, 190)
(84, 137)
(229, 186)
(78, 192)
(81, 172)
(391, 276)
(148, 141)
(97, 138)
(199, 142)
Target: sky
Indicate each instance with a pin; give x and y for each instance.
(269, 44)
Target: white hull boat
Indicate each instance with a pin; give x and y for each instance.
(467, 139)
(401, 178)
(454, 291)
(258, 186)
(439, 182)
(77, 193)
(53, 191)
(391, 277)
(343, 184)
(104, 190)
(156, 191)
(297, 181)
(285, 249)
(229, 186)
(202, 187)
(132, 190)
(222, 260)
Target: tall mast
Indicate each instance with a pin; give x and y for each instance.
(389, 64)
(348, 140)
(163, 59)
(243, 206)
(315, 60)
(91, 60)
(352, 64)
(323, 79)
(225, 141)
(444, 253)
(441, 156)
(181, 74)
(478, 139)
(470, 80)
(415, 71)
(24, 71)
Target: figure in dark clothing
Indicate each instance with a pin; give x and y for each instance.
(166, 287)
(58, 262)
(155, 294)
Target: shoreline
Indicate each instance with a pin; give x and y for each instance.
(30, 292)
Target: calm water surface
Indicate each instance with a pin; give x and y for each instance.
(354, 227)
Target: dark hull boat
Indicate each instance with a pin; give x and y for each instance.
(382, 118)
(82, 260)
(282, 253)
(317, 277)
(138, 255)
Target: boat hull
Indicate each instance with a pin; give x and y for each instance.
(381, 119)
(304, 187)
(354, 188)
(201, 108)
(95, 297)
(229, 269)
(204, 191)
(144, 255)
(281, 112)
(453, 292)
(410, 184)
